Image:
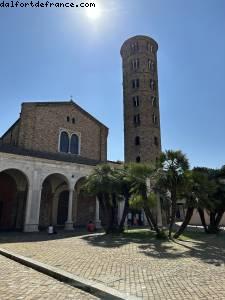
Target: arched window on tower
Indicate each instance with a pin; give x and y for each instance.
(64, 142)
(152, 85)
(156, 141)
(137, 140)
(138, 159)
(74, 144)
(154, 119)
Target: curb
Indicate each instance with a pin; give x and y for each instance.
(96, 289)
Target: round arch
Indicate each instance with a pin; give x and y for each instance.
(85, 205)
(58, 175)
(50, 184)
(19, 171)
(14, 185)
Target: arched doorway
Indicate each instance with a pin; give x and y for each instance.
(62, 210)
(13, 196)
(86, 205)
(50, 211)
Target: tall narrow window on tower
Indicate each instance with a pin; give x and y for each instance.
(137, 120)
(154, 101)
(135, 64)
(141, 102)
(156, 142)
(138, 159)
(137, 141)
(151, 65)
(152, 85)
(154, 119)
(136, 101)
(134, 47)
(135, 83)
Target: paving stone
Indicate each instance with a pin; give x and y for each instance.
(151, 269)
(18, 282)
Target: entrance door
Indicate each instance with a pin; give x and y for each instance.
(63, 208)
(7, 201)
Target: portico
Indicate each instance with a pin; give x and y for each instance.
(49, 189)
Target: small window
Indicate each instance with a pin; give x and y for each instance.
(137, 120)
(74, 144)
(137, 141)
(68, 118)
(152, 85)
(138, 159)
(135, 64)
(151, 65)
(154, 101)
(152, 49)
(136, 101)
(135, 83)
(73, 120)
(154, 118)
(156, 142)
(134, 47)
(64, 142)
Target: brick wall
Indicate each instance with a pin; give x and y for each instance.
(142, 49)
(40, 126)
(12, 135)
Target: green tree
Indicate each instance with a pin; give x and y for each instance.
(171, 178)
(124, 185)
(142, 196)
(197, 191)
(216, 206)
(102, 183)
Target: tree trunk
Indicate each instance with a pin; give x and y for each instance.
(125, 213)
(202, 217)
(219, 217)
(173, 212)
(114, 215)
(212, 227)
(107, 212)
(185, 223)
(151, 219)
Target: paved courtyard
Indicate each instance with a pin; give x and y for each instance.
(22, 283)
(135, 264)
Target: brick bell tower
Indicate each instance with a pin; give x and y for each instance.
(142, 139)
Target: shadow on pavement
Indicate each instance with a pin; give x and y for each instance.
(21, 237)
(208, 248)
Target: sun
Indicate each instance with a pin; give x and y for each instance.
(94, 13)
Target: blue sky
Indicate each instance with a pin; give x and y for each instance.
(50, 54)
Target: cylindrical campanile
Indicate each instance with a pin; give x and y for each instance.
(142, 139)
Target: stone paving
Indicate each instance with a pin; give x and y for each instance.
(22, 283)
(136, 265)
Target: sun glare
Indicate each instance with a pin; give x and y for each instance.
(94, 13)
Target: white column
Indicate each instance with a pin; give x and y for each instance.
(69, 222)
(33, 204)
(97, 220)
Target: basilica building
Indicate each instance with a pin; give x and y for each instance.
(44, 157)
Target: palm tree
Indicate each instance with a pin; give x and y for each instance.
(196, 192)
(217, 204)
(172, 168)
(124, 185)
(141, 195)
(101, 183)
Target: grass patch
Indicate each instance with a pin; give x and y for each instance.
(142, 234)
